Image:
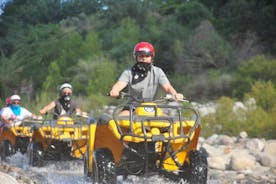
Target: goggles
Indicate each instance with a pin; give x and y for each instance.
(143, 54)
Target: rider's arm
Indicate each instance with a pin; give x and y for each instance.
(48, 107)
(7, 116)
(5, 119)
(26, 114)
(169, 89)
(117, 87)
(80, 113)
(122, 82)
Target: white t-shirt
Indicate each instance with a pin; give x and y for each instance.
(7, 113)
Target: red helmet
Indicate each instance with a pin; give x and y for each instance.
(8, 101)
(144, 47)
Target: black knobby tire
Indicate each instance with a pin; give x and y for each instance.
(198, 167)
(35, 153)
(86, 158)
(6, 149)
(104, 167)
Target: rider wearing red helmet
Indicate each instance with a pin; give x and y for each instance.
(145, 48)
(8, 101)
(143, 78)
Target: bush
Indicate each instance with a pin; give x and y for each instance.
(264, 93)
(256, 118)
(258, 68)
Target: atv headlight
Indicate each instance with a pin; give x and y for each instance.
(149, 109)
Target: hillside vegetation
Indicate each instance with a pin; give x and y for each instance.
(220, 51)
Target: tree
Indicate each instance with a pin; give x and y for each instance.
(258, 68)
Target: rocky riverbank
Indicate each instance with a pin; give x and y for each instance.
(231, 160)
(240, 159)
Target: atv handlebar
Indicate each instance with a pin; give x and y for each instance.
(168, 98)
(171, 98)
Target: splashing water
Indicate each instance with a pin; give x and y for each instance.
(71, 172)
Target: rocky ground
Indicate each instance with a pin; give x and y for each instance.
(241, 159)
(20, 175)
(232, 160)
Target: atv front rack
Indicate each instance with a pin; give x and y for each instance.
(65, 131)
(155, 127)
(24, 129)
(171, 133)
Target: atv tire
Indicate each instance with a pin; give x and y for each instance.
(35, 153)
(6, 149)
(103, 167)
(198, 167)
(86, 163)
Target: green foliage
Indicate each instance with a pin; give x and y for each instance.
(260, 124)
(122, 39)
(257, 68)
(192, 13)
(203, 87)
(44, 43)
(236, 17)
(102, 77)
(264, 93)
(73, 48)
(169, 46)
(257, 119)
(45, 11)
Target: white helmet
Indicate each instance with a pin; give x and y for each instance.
(15, 97)
(65, 85)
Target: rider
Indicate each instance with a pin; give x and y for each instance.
(143, 77)
(14, 113)
(64, 104)
(8, 101)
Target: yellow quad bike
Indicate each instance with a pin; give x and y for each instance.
(157, 138)
(59, 140)
(16, 137)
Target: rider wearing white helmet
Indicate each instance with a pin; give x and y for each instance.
(64, 104)
(14, 113)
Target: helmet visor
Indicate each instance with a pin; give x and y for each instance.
(143, 54)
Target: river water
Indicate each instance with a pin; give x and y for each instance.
(71, 172)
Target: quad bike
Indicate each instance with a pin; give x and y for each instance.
(157, 138)
(61, 139)
(15, 137)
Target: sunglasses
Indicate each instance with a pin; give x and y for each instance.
(143, 54)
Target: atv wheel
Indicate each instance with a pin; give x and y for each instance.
(198, 167)
(103, 167)
(35, 153)
(86, 164)
(6, 149)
